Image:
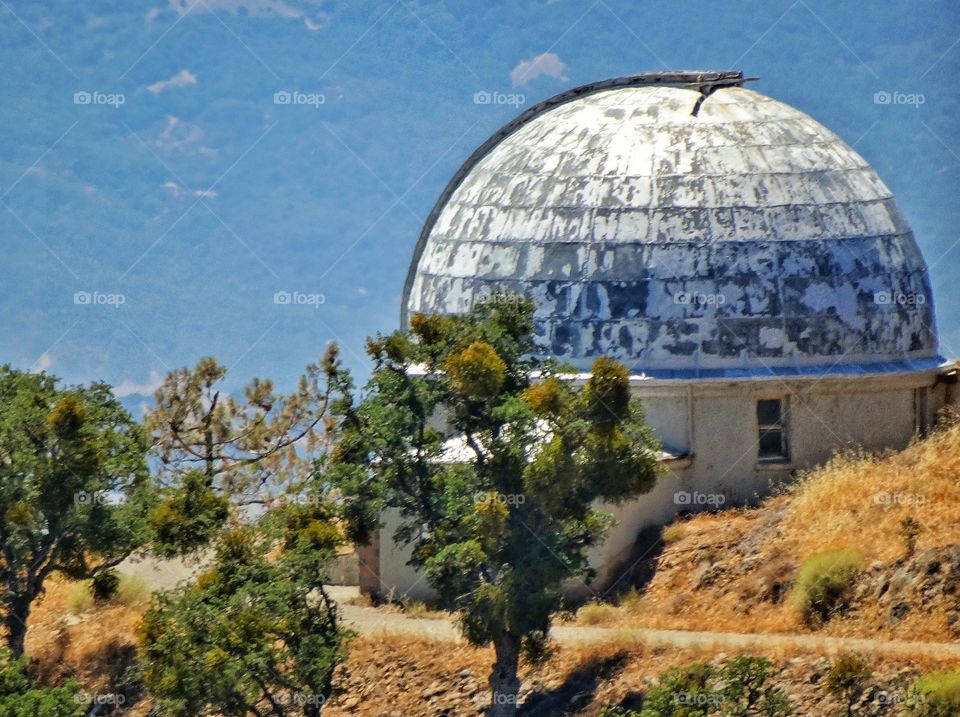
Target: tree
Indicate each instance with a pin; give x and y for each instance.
(244, 448)
(74, 488)
(256, 634)
(498, 533)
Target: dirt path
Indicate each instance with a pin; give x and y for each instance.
(371, 621)
(162, 574)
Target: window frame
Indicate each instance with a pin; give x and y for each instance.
(780, 426)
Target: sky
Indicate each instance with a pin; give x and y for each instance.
(248, 178)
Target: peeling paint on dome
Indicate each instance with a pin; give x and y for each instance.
(747, 233)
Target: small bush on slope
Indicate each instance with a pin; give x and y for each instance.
(935, 695)
(822, 582)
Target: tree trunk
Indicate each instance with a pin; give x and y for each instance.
(17, 610)
(504, 683)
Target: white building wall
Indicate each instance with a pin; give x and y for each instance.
(715, 424)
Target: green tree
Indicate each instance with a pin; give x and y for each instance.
(74, 488)
(498, 532)
(244, 449)
(257, 633)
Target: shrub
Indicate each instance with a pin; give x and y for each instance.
(80, 598)
(672, 533)
(737, 689)
(129, 590)
(595, 613)
(910, 530)
(935, 695)
(104, 585)
(20, 696)
(133, 590)
(847, 677)
(823, 581)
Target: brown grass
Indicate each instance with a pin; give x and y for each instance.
(861, 500)
(856, 501)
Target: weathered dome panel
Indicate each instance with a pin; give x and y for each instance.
(745, 236)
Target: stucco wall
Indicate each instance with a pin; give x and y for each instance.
(716, 424)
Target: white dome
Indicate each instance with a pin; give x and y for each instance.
(746, 236)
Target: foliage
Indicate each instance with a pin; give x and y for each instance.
(497, 533)
(242, 448)
(256, 631)
(74, 488)
(188, 516)
(21, 697)
(738, 689)
(823, 580)
(936, 694)
(847, 678)
(104, 585)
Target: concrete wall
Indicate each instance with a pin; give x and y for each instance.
(715, 424)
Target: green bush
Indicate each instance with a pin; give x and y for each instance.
(935, 695)
(738, 689)
(20, 697)
(104, 585)
(823, 581)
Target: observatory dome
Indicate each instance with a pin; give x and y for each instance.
(686, 226)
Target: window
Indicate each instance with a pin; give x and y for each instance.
(773, 437)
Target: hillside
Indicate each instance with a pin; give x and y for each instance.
(734, 571)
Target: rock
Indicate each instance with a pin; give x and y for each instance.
(898, 611)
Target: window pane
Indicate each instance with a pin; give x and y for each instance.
(771, 443)
(768, 412)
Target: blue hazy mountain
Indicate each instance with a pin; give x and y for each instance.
(170, 171)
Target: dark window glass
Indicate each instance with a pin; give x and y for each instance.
(771, 444)
(772, 441)
(768, 412)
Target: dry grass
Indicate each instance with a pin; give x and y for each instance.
(856, 501)
(864, 499)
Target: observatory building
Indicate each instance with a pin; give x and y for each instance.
(750, 269)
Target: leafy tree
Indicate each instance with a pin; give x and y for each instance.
(498, 533)
(74, 488)
(21, 697)
(255, 634)
(240, 447)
